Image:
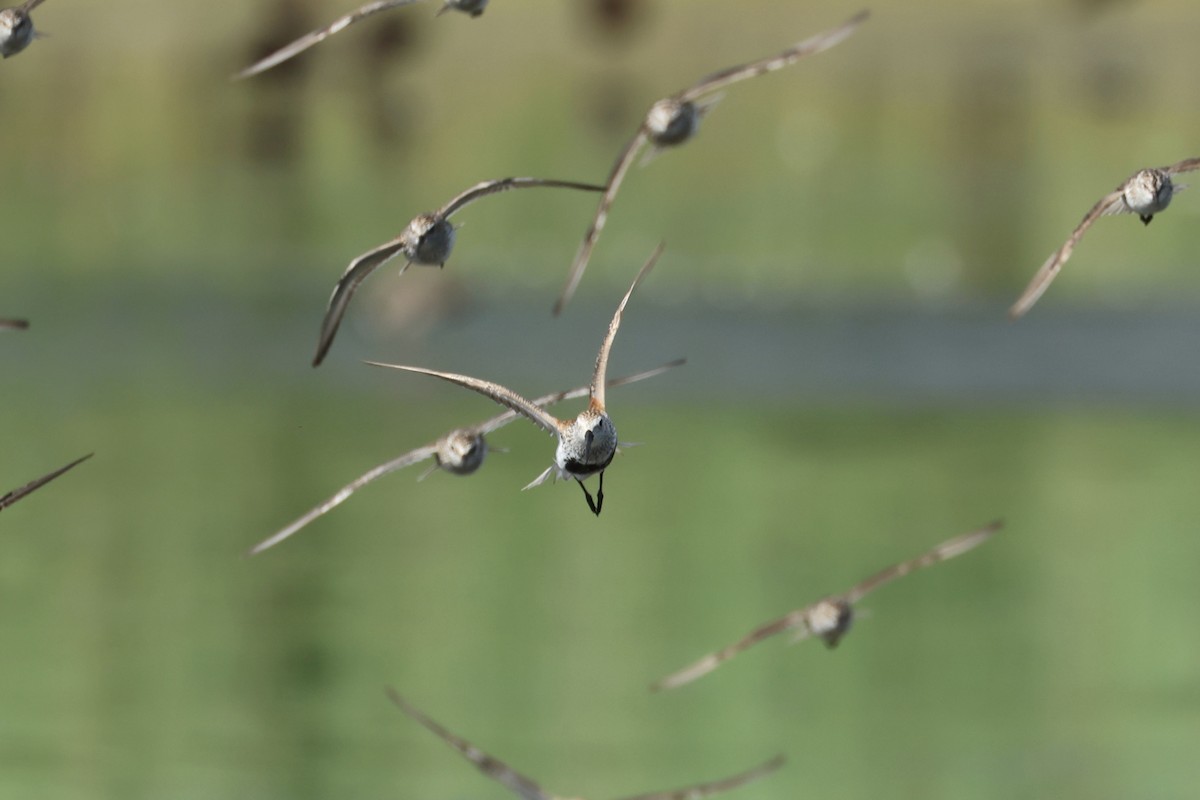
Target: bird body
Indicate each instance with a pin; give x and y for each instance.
(1145, 193)
(16, 28)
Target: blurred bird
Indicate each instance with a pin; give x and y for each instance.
(459, 452)
(527, 789)
(586, 444)
(428, 240)
(16, 28)
(16, 494)
(319, 35)
(675, 119)
(472, 7)
(1145, 193)
(829, 618)
(14, 324)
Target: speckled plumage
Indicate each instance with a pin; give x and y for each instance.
(16, 28)
(428, 240)
(460, 452)
(673, 120)
(830, 617)
(1145, 193)
(586, 444)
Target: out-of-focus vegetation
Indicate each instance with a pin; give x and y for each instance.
(173, 236)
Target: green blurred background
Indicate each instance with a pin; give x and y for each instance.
(843, 239)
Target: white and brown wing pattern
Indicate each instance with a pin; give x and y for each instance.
(721, 786)
(673, 120)
(16, 494)
(494, 768)
(829, 618)
(943, 552)
(319, 35)
(810, 46)
(1187, 165)
(459, 452)
(428, 239)
(1111, 203)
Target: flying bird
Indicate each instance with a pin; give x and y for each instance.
(16, 494)
(319, 35)
(427, 240)
(527, 789)
(1145, 193)
(459, 452)
(472, 7)
(829, 618)
(16, 28)
(14, 324)
(675, 119)
(586, 444)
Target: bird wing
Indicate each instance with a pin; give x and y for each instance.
(16, 494)
(814, 44)
(14, 324)
(624, 160)
(30, 5)
(504, 184)
(1111, 203)
(503, 396)
(794, 620)
(494, 768)
(701, 790)
(310, 39)
(600, 372)
(947, 549)
(343, 494)
(347, 285)
(1187, 165)
(501, 420)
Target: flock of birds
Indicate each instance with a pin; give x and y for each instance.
(587, 443)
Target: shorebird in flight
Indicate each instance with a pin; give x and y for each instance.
(586, 444)
(1145, 193)
(14, 324)
(16, 494)
(473, 8)
(16, 28)
(528, 789)
(319, 35)
(427, 240)
(675, 119)
(459, 452)
(829, 618)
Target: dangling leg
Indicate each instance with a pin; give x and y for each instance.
(600, 494)
(588, 496)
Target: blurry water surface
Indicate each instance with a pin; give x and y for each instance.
(843, 238)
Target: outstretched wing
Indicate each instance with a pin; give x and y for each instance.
(16, 494)
(494, 768)
(505, 397)
(1187, 165)
(30, 5)
(406, 460)
(308, 40)
(947, 549)
(579, 391)
(624, 160)
(814, 44)
(795, 620)
(14, 324)
(702, 790)
(599, 374)
(347, 285)
(1111, 203)
(503, 185)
